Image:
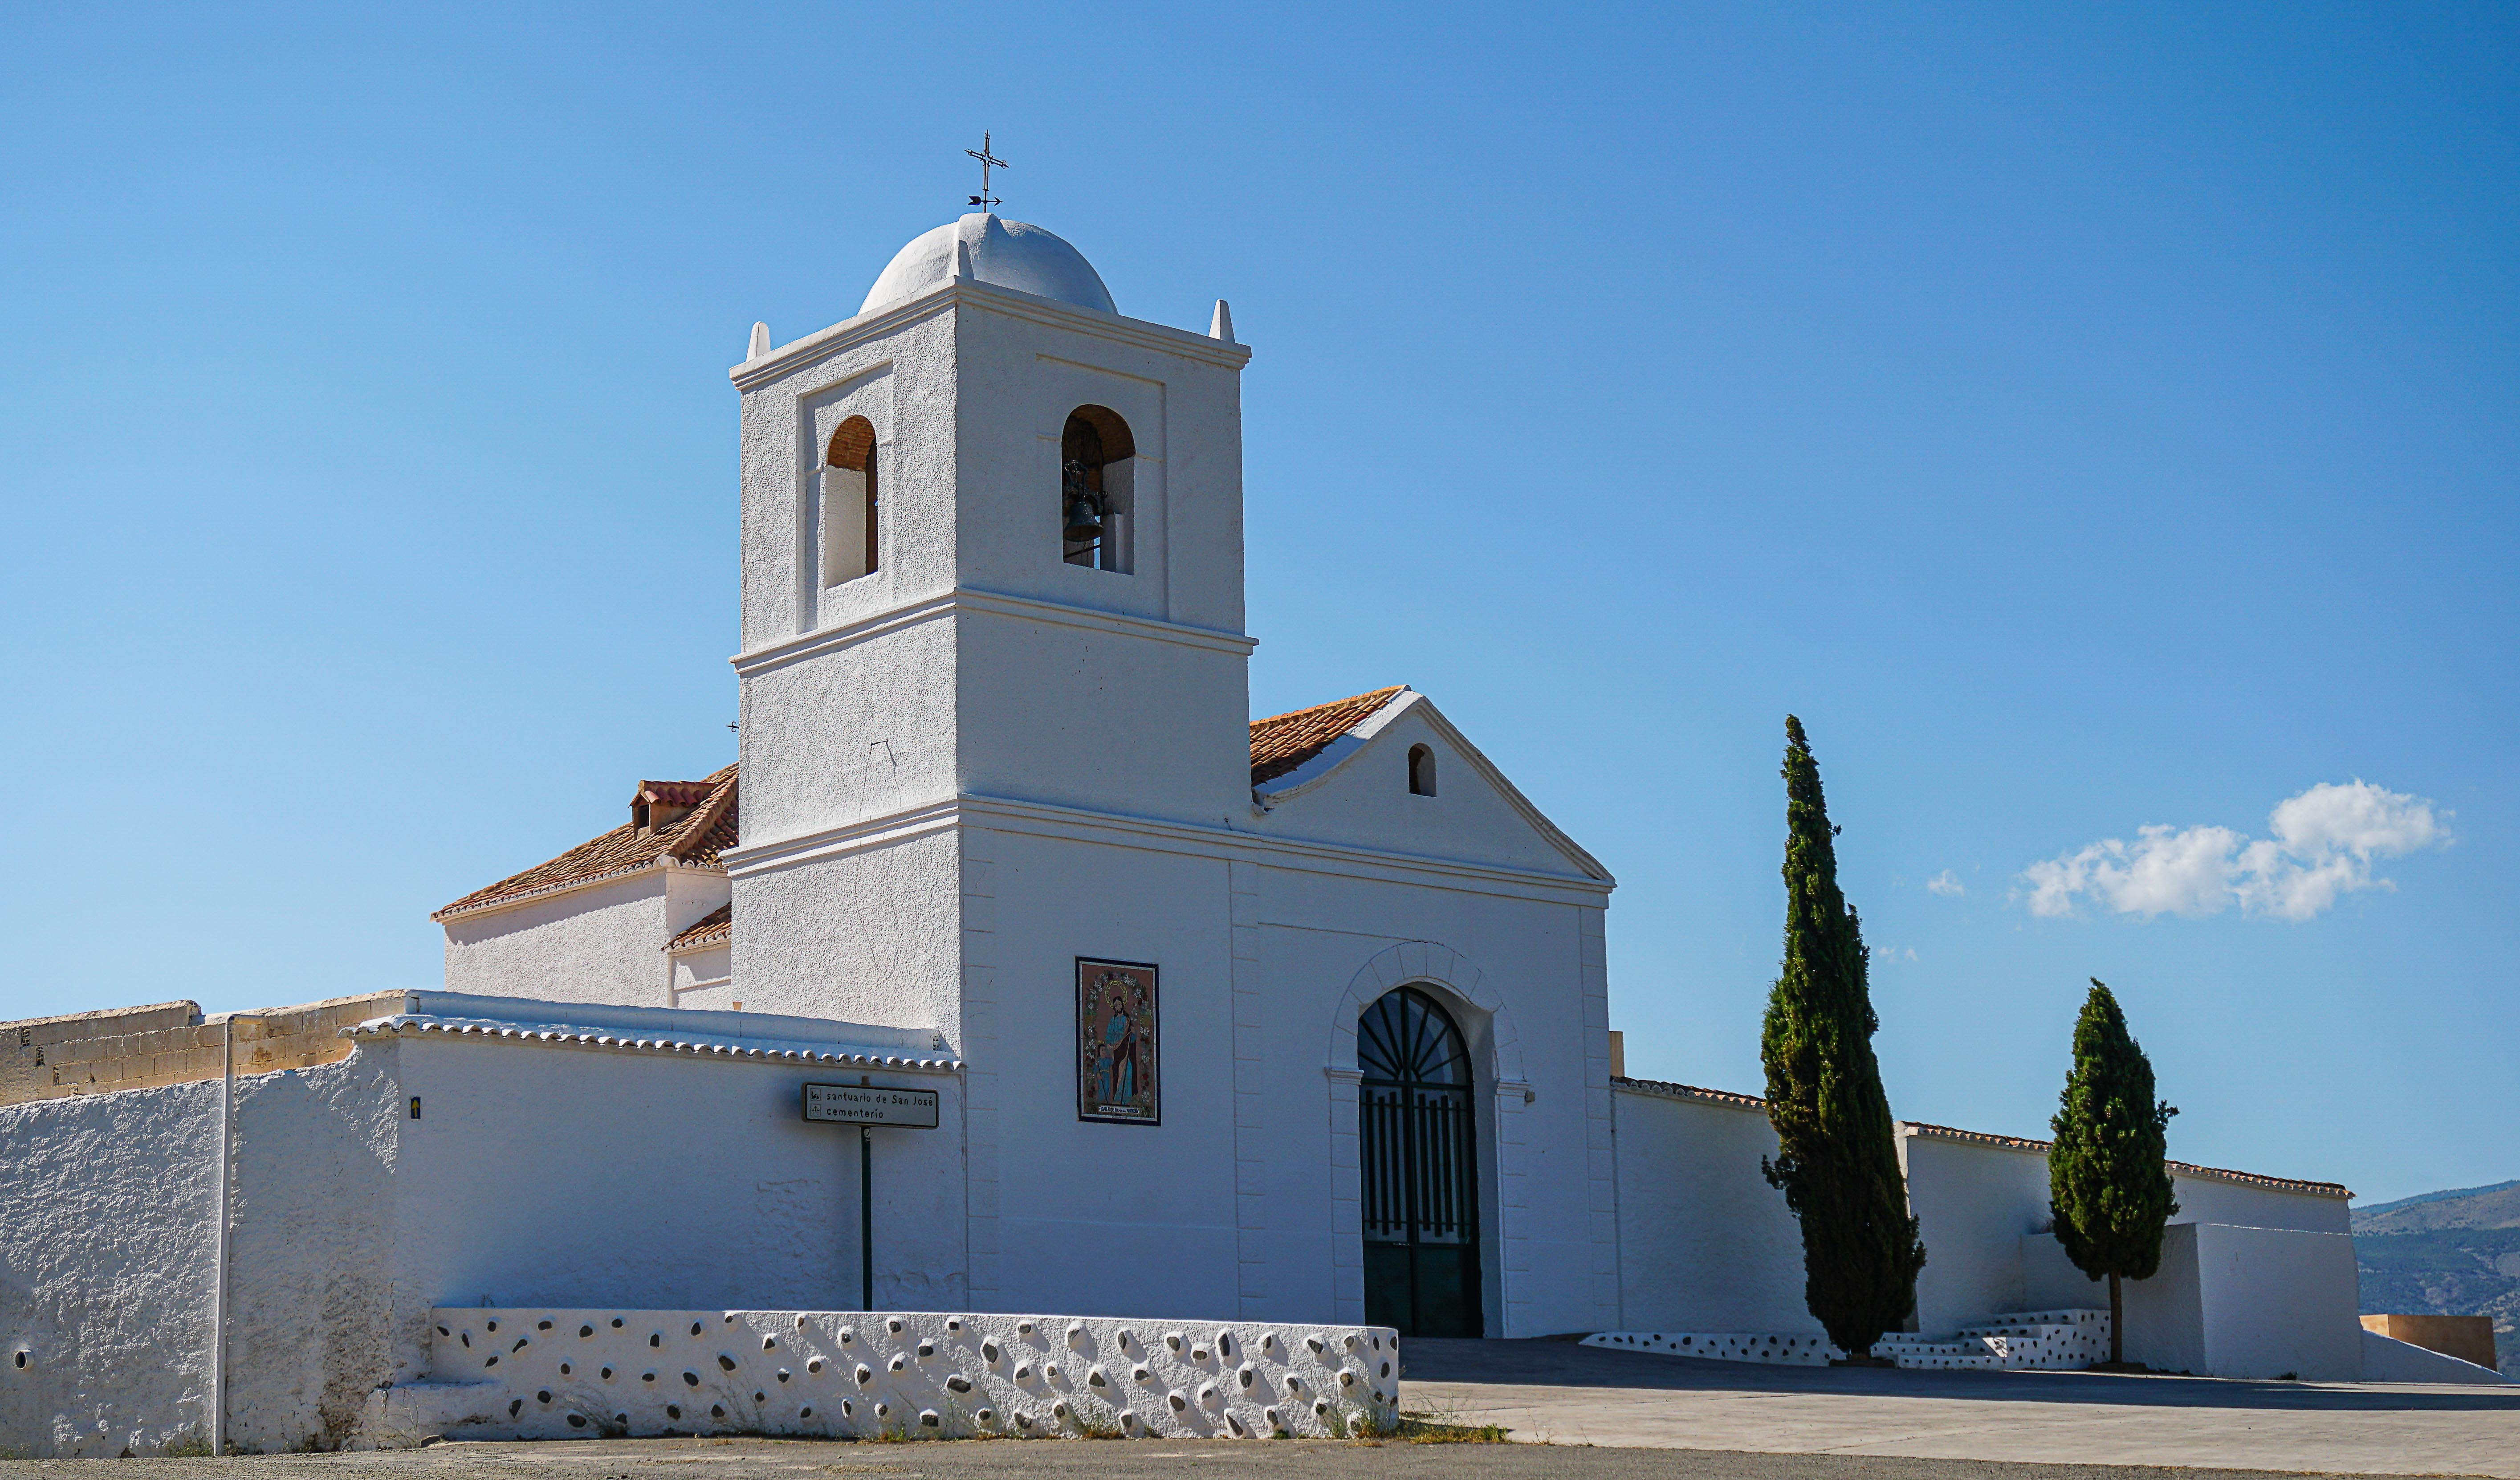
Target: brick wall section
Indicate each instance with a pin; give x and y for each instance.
(171, 1043)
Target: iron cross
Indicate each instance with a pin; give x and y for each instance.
(984, 200)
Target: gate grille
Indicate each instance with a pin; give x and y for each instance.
(1420, 1185)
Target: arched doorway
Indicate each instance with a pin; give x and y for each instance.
(1420, 1168)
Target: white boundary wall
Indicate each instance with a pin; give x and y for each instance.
(538, 1171)
(2257, 1276)
(1705, 1245)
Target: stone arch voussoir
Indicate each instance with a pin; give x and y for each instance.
(1437, 965)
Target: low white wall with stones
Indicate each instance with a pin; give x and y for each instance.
(553, 1374)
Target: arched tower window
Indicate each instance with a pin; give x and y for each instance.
(1421, 771)
(849, 498)
(1418, 1139)
(1096, 490)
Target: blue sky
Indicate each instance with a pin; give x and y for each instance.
(2085, 419)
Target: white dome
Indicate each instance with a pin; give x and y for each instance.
(1004, 254)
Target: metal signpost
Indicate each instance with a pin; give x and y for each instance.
(865, 1105)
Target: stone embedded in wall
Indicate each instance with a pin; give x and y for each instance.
(562, 1373)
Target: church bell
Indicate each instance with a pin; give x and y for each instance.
(1084, 511)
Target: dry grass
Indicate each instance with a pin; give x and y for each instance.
(1433, 1428)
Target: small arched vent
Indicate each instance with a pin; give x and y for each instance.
(1421, 771)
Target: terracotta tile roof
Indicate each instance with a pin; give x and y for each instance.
(709, 930)
(1284, 742)
(699, 836)
(1670, 1091)
(676, 793)
(2254, 1179)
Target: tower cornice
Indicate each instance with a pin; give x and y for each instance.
(1138, 334)
(964, 600)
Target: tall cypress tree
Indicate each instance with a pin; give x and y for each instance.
(1837, 1158)
(2106, 1180)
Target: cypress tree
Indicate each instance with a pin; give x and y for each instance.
(1838, 1159)
(2106, 1181)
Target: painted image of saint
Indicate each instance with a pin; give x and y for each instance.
(1116, 1042)
(1119, 1061)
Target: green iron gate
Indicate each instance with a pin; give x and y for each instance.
(1420, 1168)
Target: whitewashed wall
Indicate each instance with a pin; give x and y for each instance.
(1364, 801)
(2229, 1301)
(1235, 1207)
(1705, 1244)
(107, 1247)
(572, 1177)
(534, 1172)
(867, 928)
(1976, 1201)
(703, 978)
(1973, 1204)
(2214, 1199)
(602, 943)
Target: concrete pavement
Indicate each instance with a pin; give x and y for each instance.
(1562, 1393)
(1230, 1460)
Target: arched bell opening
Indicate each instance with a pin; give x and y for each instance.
(1418, 1126)
(1097, 489)
(850, 495)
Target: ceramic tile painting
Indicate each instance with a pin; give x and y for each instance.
(1116, 1077)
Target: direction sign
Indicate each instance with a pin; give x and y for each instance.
(872, 1105)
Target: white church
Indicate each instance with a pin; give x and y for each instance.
(1020, 1037)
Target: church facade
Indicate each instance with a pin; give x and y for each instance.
(1012, 968)
(996, 749)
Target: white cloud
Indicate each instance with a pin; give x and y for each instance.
(1946, 884)
(2324, 845)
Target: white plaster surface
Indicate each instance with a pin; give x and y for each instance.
(629, 1155)
(2229, 1301)
(1704, 1243)
(1979, 1204)
(1012, 255)
(604, 942)
(107, 1245)
(1973, 1204)
(1364, 799)
(585, 1371)
(2214, 1199)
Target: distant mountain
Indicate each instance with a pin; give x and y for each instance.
(2453, 1253)
(2494, 1207)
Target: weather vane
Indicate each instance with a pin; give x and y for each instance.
(984, 200)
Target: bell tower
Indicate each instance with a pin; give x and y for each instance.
(992, 536)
